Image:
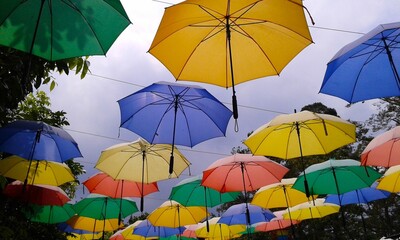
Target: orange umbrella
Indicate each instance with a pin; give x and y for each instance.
(383, 150)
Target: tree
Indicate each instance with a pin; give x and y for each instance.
(387, 116)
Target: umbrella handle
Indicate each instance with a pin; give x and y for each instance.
(171, 163)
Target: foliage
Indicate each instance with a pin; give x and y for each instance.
(20, 73)
(387, 116)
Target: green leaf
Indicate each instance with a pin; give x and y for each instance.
(79, 65)
(46, 80)
(52, 85)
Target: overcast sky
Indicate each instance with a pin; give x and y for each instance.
(93, 112)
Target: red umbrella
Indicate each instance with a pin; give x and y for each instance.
(102, 183)
(383, 150)
(277, 223)
(37, 194)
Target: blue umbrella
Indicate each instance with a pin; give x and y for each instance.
(236, 214)
(174, 114)
(358, 196)
(366, 68)
(148, 230)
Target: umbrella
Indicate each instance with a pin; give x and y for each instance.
(390, 181)
(242, 172)
(190, 231)
(366, 68)
(311, 210)
(36, 194)
(173, 214)
(92, 224)
(104, 184)
(230, 42)
(127, 232)
(146, 229)
(49, 173)
(64, 227)
(123, 161)
(35, 140)
(49, 214)
(174, 114)
(41, 28)
(301, 134)
(218, 230)
(274, 224)
(383, 150)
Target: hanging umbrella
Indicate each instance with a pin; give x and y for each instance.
(230, 42)
(301, 134)
(92, 224)
(104, 184)
(218, 230)
(64, 227)
(173, 214)
(49, 214)
(141, 161)
(36, 194)
(311, 210)
(41, 28)
(127, 232)
(146, 229)
(170, 113)
(383, 150)
(366, 68)
(237, 214)
(275, 224)
(242, 172)
(42, 172)
(190, 231)
(390, 181)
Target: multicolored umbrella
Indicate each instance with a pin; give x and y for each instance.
(64, 227)
(352, 73)
(49, 214)
(42, 29)
(94, 225)
(40, 172)
(140, 161)
(311, 210)
(173, 214)
(36, 194)
(218, 230)
(237, 214)
(390, 181)
(275, 224)
(148, 230)
(358, 196)
(383, 150)
(229, 42)
(170, 113)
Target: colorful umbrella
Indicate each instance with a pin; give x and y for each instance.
(41, 172)
(190, 231)
(146, 229)
(141, 161)
(301, 134)
(218, 230)
(311, 210)
(49, 214)
(92, 224)
(277, 223)
(358, 196)
(383, 150)
(230, 42)
(237, 214)
(352, 73)
(390, 181)
(170, 113)
(42, 29)
(127, 232)
(173, 214)
(64, 227)
(36, 194)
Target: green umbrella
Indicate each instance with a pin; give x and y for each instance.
(49, 214)
(102, 207)
(60, 29)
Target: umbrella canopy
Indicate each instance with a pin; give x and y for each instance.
(279, 195)
(277, 223)
(311, 210)
(78, 233)
(390, 181)
(102, 207)
(190, 231)
(41, 172)
(170, 113)
(236, 214)
(173, 214)
(93, 225)
(242, 172)
(35, 140)
(383, 150)
(42, 29)
(358, 196)
(146, 229)
(127, 232)
(337, 177)
(230, 42)
(104, 184)
(218, 230)
(36, 194)
(352, 73)
(49, 214)
(142, 162)
(190, 192)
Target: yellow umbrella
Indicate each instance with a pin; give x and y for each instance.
(219, 230)
(229, 42)
(93, 225)
(390, 181)
(173, 214)
(310, 210)
(40, 172)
